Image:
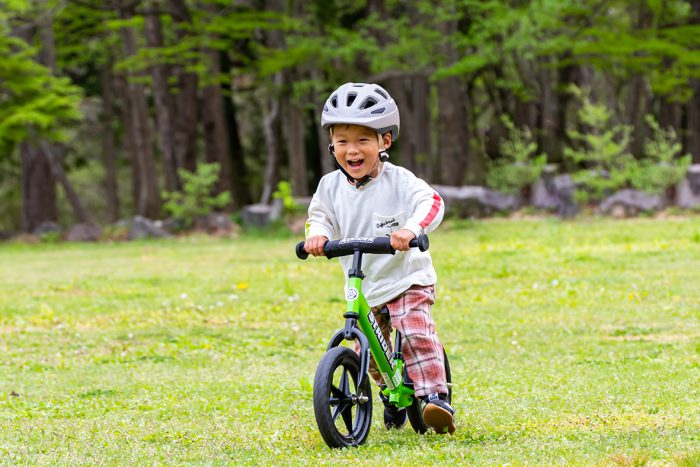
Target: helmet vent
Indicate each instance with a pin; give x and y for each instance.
(381, 93)
(369, 102)
(351, 98)
(334, 101)
(378, 111)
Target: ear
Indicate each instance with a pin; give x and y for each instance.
(386, 139)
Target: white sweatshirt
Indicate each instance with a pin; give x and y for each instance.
(396, 199)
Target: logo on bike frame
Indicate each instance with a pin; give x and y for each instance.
(385, 348)
(351, 294)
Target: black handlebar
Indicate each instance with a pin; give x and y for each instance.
(376, 245)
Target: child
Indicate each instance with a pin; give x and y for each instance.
(368, 196)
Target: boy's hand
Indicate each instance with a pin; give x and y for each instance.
(401, 238)
(314, 245)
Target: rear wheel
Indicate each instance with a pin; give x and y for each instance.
(415, 410)
(343, 410)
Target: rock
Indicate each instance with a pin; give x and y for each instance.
(46, 228)
(216, 223)
(555, 192)
(140, 227)
(628, 202)
(688, 190)
(476, 201)
(564, 188)
(261, 215)
(303, 202)
(543, 193)
(84, 232)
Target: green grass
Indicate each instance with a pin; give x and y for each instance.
(570, 343)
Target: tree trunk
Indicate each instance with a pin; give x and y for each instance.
(637, 108)
(272, 142)
(55, 158)
(550, 139)
(400, 90)
(38, 188)
(163, 100)
(187, 105)
(455, 154)
(525, 114)
(109, 154)
(327, 164)
(215, 131)
(692, 142)
(241, 194)
(456, 157)
(271, 122)
(422, 126)
(39, 178)
(130, 137)
(148, 199)
(670, 115)
(38, 182)
(567, 75)
(296, 150)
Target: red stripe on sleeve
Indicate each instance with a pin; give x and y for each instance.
(433, 211)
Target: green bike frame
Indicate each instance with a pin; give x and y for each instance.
(358, 313)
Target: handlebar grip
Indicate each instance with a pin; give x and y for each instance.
(421, 242)
(301, 252)
(376, 245)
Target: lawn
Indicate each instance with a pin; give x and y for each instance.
(570, 343)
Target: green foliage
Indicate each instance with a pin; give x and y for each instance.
(518, 166)
(600, 161)
(284, 193)
(662, 167)
(195, 200)
(34, 103)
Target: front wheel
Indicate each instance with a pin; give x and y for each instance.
(415, 410)
(343, 410)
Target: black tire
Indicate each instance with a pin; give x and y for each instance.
(343, 411)
(414, 411)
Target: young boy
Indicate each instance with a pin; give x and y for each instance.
(368, 196)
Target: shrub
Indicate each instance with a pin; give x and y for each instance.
(284, 193)
(601, 162)
(518, 167)
(661, 168)
(196, 199)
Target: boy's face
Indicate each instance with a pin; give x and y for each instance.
(357, 148)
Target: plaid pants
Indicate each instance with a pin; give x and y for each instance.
(409, 314)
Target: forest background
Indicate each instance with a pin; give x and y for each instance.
(108, 108)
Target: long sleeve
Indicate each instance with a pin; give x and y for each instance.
(427, 208)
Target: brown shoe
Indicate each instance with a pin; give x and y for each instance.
(438, 415)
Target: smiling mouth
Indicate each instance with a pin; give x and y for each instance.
(355, 163)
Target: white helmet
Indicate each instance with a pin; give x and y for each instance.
(362, 104)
